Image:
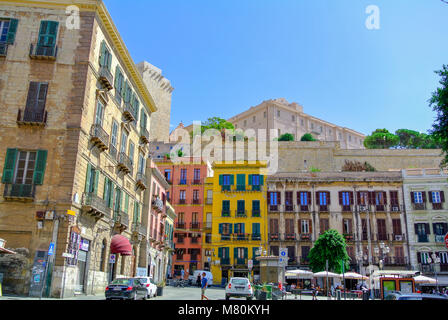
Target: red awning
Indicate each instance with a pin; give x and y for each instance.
(121, 244)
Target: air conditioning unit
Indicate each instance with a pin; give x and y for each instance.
(398, 238)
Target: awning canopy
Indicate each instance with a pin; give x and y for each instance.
(120, 244)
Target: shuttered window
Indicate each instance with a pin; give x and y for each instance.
(105, 56)
(114, 135)
(8, 29)
(37, 97)
(48, 33)
(24, 167)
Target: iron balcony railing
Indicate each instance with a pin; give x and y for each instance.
(196, 201)
(241, 213)
(208, 225)
(99, 137)
(347, 208)
(129, 111)
(195, 225)
(121, 218)
(289, 208)
(305, 236)
(197, 181)
(349, 236)
(382, 237)
(157, 204)
(240, 261)
(180, 225)
(422, 238)
(240, 187)
(304, 208)
(240, 237)
(96, 205)
(19, 191)
(138, 228)
(32, 117)
(43, 52)
(439, 238)
(256, 213)
(106, 78)
(437, 206)
(290, 237)
(113, 151)
(225, 261)
(209, 201)
(144, 135)
(419, 206)
(124, 162)
(274, 236)
(256, 237)
(274, 208)
(3, 49)
(225, 213)
(225, 237)
(323, 208)
(141, 180)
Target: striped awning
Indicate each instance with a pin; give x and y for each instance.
(4, 250)
(120, 244)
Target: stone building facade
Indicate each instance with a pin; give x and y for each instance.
(285, 117)
(74, 138)
(161, 90)
(367, 208)
(427, 218)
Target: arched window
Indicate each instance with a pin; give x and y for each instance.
(103, 256)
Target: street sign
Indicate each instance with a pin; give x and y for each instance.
(446, 240)
(71, 213)
(68, 255)
(112, 258)
(250, 264)
(51, 249)
(283, 256)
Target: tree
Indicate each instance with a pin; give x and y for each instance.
(330, 246)
(356, 166)
(439, 103)
(218, 124)
(381, 139)
(308, 137)
(286, 137)
(410, 139)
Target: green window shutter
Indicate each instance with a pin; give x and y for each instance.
(256, 204)
(10, 163)
(111, 194)
(220, 253)
(39, 169)
(220, 228)
(256, 228)
(106, 189)
(221, 179)
(261, 180)
(237, 228)
(117, 84)
(230, 228)
(48, 33)
(241, 205)
(88, 178)
(240, 179)
(250, 179)
(103, 54)
(232, 179)
(254, 252)
(126, 203)
(97, 178)
(11, 37)
(246, 253)
(235, 253)
(243, 228)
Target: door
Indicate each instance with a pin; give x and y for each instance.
(82, 262)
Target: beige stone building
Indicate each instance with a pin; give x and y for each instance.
(285, 117)
(161, 91)
(427, 220)
(365, 207)
(74, 137)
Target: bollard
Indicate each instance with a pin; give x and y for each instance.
(1, 295)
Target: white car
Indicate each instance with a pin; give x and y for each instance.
(150, 286)
(239, 287)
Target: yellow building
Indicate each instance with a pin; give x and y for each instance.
(236, 211)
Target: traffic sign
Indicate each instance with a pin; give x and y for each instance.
(112, 258)
(250, 264)
(283, 259)
(446, 240)
(51, 249)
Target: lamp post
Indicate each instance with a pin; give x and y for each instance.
(382, 251)
(435, 260)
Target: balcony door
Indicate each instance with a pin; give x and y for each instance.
(25, 165)
(35, 103)
(99, 114)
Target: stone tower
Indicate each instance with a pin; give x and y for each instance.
(161, 90)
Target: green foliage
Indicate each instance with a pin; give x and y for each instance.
(218, 124)
(180, 153)
(168, 156)
(307, 137)
(312, 169)
(286, 137)
(330, 246)
(439, 103)
(381, 139)
(356, 166)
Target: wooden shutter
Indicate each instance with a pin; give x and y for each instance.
(442, 196)
(340, 198)
(220, 252)
(246, 255)
(102, 60)
(97, 178)
(10, 163)
(269, 198)
(39, 169)
(358, 197)
(309, 202)
(261, 180)
(10, 38)
(424, 196)
(430, 196)
(419, 257)
(232, 180)
(412, 197)
(328, 198)
(318, 198)
(88, 178)
(310, 225)
(300, 226)
(351, 197)
(48, 33)
(279, 198)
(384, 197)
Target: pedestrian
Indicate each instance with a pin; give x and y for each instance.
(182, 274)
(313, 290)
(204, 285)
(198, 281)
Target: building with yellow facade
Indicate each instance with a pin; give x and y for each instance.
(235, 219)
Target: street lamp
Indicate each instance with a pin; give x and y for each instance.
(384, 251)
(436, 260)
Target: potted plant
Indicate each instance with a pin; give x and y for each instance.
(160, 287)
(263, 295)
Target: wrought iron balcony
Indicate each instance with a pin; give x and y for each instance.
(138, 228)
(419, 206)
(106, 78)
(323, 208)
(256, 213)
(208, 225)
(256, 237)
(274, 236)
(182, 201)
(195, 225)
(305, 236)
(380, 208)
(129, 112)
(95, 206)
(398, 237)
(304, 208)
(256, 188)
(99, 137)
(240, 262)
(396, 208)
(382, 237)
(197, 181)
(144, 135)
(113, 151)
(225, 213)
(240, 237)
(437, 206)
(439, 238)
(241, 213)
(225, 237)
(225, 261)
(43, 52)
(274, 208)
(141, 181)
(196, 201)
(124, 163)
(347, 208)
(290, 237)
(349, 236)
(3, 49)
(24, 192)
(289, 208)
(422, 238)
(209, 201)
(30, 117)
(181, 225)
(121, 219)
(157, 204)
(240, 187)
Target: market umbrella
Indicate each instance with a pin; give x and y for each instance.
(423, 279)
(354, 275)
(324, 274)
(300, 274)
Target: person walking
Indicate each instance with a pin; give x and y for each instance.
(198, 281)
(204, 284)
(182, 274)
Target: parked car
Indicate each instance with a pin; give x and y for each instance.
(239, 287)
(151, 287)
(414, 296)
(192, 279)
(126, 289)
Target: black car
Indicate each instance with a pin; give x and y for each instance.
(126, 289)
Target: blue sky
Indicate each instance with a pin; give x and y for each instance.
(224, 56)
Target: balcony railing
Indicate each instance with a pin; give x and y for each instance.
(256, 213)
(290, 237)
(182, 201)
(256, 237)
(181, 225)
(439, 238)
(3, 49)
(209, 201)
(289, 208)
(196, 201)
(182, 182)
(422, 238)
(106, 78)
(240, 237)
(349, 236)
(274, 236)
(225, 261)
(96, 206)
(305, 236)
(347, 208)
(225, 213)
(395, 208)
(256, 188)
(121, 219)
(138, 228)
(19, 191)
(30, 117)
(196, 181)
(437, 206)
(195, 225)
(225, 237)
(124, 163)
(323, 208)
(274, 208)
(304, 208)
(129, 112)
(208, 225)
(43, 52)
(382, 237)
(240, 262)
(144, 135)
(380, 207)
(398, 237)
(419, 206)
(241, 213)
(113, 151)
(141, 181)
(99, 137)
(157, 204)
(240, 187)
(225, 188)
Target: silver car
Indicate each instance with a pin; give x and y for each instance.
(240, 288)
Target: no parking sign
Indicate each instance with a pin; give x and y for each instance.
(446, 240)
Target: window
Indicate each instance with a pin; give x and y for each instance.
(131, 152)
(278, 113)
(8, 28)
(304, 226)
(182, 195)
(312, 126)
(36, 100)
(119, 84)
(105, 56)
(196, 195)
(324, 225)
(256, 208)
(273, 201)
(183, 176)
(303, 198)
(322, 196)
(254, 119)
(197, 174)
(340, 136)
(293, 118)
(241, 182)
(25, 165)
(321, 130)
(256, 229)
(108, 192)
(302, 123)
(347, 224)
(435, 195)
(241, 210)
(168, 174)
(103, 256)
(345, 199)
(124, 141)
(418, 197)
(99, 115)
(141, 164)
(226, 208)
(363, 198)
(350, 138)
(48, 33)
(91, 179)
(264, 114)
(114, 135)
